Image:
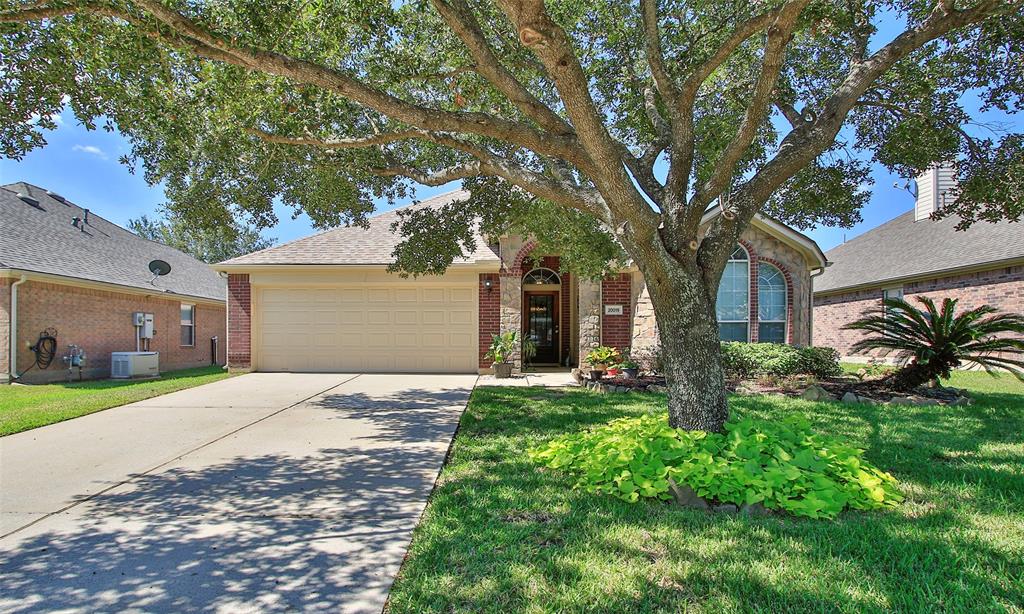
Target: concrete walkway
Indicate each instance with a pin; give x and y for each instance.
(265, 492)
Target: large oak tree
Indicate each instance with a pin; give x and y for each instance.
(578, 120)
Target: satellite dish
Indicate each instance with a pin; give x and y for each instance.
(158, 268)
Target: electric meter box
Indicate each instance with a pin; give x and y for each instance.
(145, 323)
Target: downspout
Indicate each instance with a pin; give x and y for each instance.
(13, 331)
(810, 301)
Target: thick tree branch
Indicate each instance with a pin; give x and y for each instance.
(655, 55)
(779, 35)
(538, 31)
(459, 17)
(806, 143)
(681, 163)
(207, 44)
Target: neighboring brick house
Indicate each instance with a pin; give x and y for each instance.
(65, 268)
(913, 255)
(327, 302)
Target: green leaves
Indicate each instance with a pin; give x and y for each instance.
(782, 464)
(940, 339)
(750, 359)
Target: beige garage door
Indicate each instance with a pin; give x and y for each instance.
(365, 328)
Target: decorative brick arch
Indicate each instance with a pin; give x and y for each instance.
(755, 279)
(517, 262)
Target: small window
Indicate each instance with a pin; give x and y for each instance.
(888, 293)
(545, 277)
(188, 325)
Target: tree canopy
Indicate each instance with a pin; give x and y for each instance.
(207, 244)
(331, 105)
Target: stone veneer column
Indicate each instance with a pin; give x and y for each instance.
(645, 326)
(589, 314)
(512, 309)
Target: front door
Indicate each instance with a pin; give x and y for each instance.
(542, 325)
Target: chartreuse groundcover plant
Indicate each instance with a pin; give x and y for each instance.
(783, 464)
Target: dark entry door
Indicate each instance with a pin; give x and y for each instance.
(542, 325)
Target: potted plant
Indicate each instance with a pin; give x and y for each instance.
(599, 358)
(529, 351)
(629, 367)
(500, 353)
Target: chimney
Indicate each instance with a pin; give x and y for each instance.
(935, 187)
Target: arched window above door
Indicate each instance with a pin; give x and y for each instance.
(543, 277)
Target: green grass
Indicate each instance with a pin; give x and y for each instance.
(27, 407)
(501, 535)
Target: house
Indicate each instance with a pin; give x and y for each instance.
(65, 269)
(913, 255)
(327, 303)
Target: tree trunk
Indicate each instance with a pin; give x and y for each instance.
(690, 351)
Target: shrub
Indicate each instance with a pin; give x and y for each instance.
(939, 339)
(783, 465)
(746, 360)
(820, 361)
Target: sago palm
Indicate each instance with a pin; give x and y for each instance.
(939, 340)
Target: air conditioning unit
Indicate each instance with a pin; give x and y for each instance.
(126, 365)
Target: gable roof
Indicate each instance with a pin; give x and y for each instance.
(42, 239)
(902, 248)
(794, 238)
(355, 246)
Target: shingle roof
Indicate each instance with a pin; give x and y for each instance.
(352, 245)
(903, 248)
(42, 239)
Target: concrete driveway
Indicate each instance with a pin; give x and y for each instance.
(264, 492)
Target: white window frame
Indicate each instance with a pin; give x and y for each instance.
(785, 302)
(886, 294)
(542, 270)
(747, 319)
(182, 323)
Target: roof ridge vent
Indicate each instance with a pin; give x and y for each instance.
(57, 197)
(29, 200)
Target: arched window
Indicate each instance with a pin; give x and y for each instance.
(545, 277)
(771, 304)
(732, 308)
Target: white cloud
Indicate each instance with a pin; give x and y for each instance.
(57, 119)
(90, 149)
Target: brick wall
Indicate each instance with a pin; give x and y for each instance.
(616, 331)
(490, 314)
(99, 321)
(239, 322)
(1003, 288)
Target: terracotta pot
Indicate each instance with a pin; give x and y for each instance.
(502, 370)
(613, 372)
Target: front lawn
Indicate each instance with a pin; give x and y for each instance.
(27, 407)
(501, 535)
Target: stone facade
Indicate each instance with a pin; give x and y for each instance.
(1003, 288)
(99, 321)
(588, 312)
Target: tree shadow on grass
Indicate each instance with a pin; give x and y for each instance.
(323, 532)
(504, 535)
